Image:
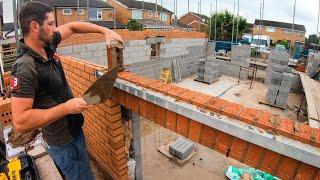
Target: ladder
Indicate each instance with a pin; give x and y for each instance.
(165, 75)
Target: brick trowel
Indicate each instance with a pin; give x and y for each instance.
(101, 89)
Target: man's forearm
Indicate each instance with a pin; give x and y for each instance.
(84, 27)
(36, 118)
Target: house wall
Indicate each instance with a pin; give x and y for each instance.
(123, 14)
(279, 35)
(193, 21)
(107, 15)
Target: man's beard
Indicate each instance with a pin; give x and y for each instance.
(45, 40)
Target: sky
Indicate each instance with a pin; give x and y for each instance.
(276, 10)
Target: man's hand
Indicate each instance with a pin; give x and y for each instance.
(76, 105)
(112, 36)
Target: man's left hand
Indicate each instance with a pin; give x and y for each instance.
(112, 36)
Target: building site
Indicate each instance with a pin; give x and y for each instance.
(159, 89)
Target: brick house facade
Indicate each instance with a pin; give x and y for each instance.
(280, 31)
(131, 9)
(193, 19)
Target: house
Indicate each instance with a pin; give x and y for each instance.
(280, 31)
(183, 27)
(149, 15)
(196, 20)
(99, 12)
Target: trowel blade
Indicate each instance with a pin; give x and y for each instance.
(102, 88)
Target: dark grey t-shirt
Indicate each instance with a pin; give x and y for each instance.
(44, 81)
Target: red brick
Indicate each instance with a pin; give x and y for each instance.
(161, 116)
(217, 105)
(208, 136)
(270, 162)
(122, 97)
(318, 175)
(287, 169)
(223, 142)
(165, 88)
(316, 140)
(232, 110)
(143, 107)
(128, 101)
(250, 116)
(264, 121)
(302, 133)
(135, 104)
(182, 125)
(285, 127)
(201, 100)
(176, 91)
(188, 96)
(195, 131)
(238, 148)
(253, 156)
(171, 120)
(306, 172)
(154, 86)
(151, 111)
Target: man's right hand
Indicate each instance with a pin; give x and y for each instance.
(76, 105)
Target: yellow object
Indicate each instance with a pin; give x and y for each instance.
(14, 167)
(3, 176)
(165, 75)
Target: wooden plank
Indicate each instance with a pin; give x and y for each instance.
(312, 91)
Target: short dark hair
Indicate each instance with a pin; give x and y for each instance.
(32, 11)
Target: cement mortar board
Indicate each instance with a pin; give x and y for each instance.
(282, 145)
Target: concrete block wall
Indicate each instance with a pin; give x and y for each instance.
(255, 156)
(186, 51)
(103, 127)
(94, 52)
(136, 51)
(232, 68)
(240, 53)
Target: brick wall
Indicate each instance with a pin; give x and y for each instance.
(193, 21)
(241, 150)
(279, 35)
(103, 125)
(107, 15)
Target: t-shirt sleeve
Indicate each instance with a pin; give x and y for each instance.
(24, 79)
(56, 39)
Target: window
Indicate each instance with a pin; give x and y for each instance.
(164, 16)
(203, 20)
(259, 28)
(288, 32)
(81, 11)
(270, 29)
(155, 50)
(95, 14)
(136, 14)
(151, 13)
(67, 12)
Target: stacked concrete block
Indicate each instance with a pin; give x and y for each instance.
(240, 53)
(313, 64)
(181, 148)
(208, 71)
(279, 88)
(276, 59)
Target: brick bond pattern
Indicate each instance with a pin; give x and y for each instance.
(248, 153)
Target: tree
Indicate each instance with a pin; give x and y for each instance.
(133, 25)
(224, 26)
(313, 38)
(284, 42)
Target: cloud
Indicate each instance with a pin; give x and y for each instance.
(276, 10)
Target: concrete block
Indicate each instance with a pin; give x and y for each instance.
(98, 53)
(92, 47)
(86, 55)
(79, 48)
(181, 148)
(65, 50)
